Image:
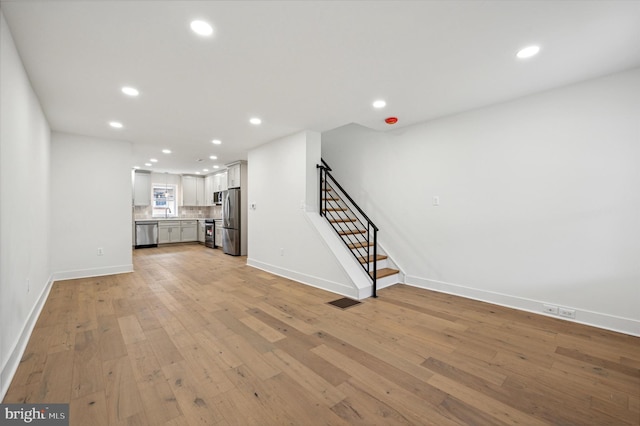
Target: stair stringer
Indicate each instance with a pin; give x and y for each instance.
(392, 279)
(362, 285)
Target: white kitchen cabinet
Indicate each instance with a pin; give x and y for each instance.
(237, 174)
(163, 235)
(192, 191)
(169, 232)
(220, 182)
(188, 231)
(200, 198)
(141, 188)
(218, 234)
(234, 175)
(188, 191)
(201, 233)
(209, 189)
(224, 185)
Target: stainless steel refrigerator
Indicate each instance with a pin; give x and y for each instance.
(231, 222)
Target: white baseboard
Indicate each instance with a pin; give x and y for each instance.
(595, 319)
(13, 361)
(92, 272)
(310, 280)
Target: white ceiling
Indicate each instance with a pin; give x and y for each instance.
(298, 65)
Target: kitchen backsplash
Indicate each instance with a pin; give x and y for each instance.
(214, 212)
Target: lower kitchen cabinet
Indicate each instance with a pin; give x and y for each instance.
(189, 231)
(177, 231)
(169, 232)
(218, 235)
(201, 234)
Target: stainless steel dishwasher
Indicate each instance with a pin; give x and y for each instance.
(146, 234)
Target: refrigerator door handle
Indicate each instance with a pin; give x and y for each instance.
(225, 209)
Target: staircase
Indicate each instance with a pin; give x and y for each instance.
(355, 229)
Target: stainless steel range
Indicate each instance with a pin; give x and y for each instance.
(209, 233)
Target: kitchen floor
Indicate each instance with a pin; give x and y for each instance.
(195, 336)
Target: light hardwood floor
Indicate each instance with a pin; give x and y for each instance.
(197, 337)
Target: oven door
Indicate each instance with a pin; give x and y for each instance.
(208, 235)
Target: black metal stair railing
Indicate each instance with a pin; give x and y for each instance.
(351, 224)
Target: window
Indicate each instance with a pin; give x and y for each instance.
(164, 200)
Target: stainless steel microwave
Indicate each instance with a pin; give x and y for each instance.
(217, 197)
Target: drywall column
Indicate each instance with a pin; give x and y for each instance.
(282, 180)
(91, 206)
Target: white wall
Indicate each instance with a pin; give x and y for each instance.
(90, 206)
(282, 180)
(24, 207)
(539, 199)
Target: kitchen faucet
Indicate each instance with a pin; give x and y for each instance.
(165, 212)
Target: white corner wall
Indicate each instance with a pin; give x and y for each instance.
(90, 206)
(282, 182)
(539, 199)
(24, 208)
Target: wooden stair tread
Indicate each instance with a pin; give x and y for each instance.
(352, 232)
(384, 272)
(360, 245)
(331, 199)
(364, 259)
(336, 209)
(348, 219)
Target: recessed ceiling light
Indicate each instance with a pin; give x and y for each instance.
(153, 160)
(216, 167)
(528, 52)
(379, 104)
(115, 124)
(148, 164)
(201, 28)
(136, 167)
(213, 157)
(216, 142)
(205, 170)
(130, 91)
(255, 121)
(166, 151)
(197, 173)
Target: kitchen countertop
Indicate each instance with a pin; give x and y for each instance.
(163, 219)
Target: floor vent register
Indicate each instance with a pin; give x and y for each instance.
(344, 303)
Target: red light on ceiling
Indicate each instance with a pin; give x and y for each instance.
(391, 120)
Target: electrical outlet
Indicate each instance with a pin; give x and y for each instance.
(568, 313)
(281, 252)
(550, 309)
(436, 200)
(100, 251)
(28, 286)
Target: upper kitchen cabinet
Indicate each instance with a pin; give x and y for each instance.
(193, 191)
(141, 188)
(220, 182)
(236, 174)
(209, 190)
(200, 199)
